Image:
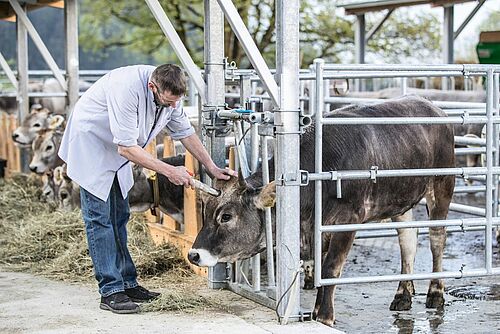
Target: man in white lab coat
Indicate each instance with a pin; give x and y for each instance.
(110, 126)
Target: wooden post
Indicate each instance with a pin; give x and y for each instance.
(3, 135)
(192, 218)
(168, 151)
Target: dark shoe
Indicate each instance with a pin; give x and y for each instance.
(140, 294)
(118, 303)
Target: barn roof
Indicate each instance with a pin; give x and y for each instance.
(362, 6)
(7, 13)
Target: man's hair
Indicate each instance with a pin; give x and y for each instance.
(170, 77)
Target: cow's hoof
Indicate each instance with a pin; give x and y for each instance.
(401, 302)
(327, 322)
(434, 300)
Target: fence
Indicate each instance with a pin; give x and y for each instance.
(8, 150)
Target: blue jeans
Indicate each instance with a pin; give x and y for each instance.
(106, 227)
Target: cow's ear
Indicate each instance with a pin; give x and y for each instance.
(58, 175)
(55, 122)
(267, 196)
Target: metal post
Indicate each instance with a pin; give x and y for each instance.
(359, 41)
(192, 93)
(496, 141)
(72, 62)
(469, 17)
(489, 172)
(21, 16)
(404, 86)
(269, 229)
(8, 71)
(318, 145)
(214, 77)
(447, 41)
(286, 121)
(179, 48)
(22, 78)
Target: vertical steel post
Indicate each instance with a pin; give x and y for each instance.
(318, 146)
(447, 41)
(496, 141)
(271, 281)
(286, 121)
(72, 62)
(489, 172)
(359, 41)
(22, 79)
(214, 78)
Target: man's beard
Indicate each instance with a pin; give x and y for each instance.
(157, 101)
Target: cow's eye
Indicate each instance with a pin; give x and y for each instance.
(36, 125)
(48, 148)
(225, 217)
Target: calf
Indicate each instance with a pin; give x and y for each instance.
(68, 192)
(234, 227)
(45, 148)
(37, 120)
(171, 195)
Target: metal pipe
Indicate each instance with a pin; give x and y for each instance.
(489, 172)
(469, 189)
(22, 87)
(462, 140)
(21, 15)
(470, 150)
(72, 60)
(466, 68)
(251, 50)
(318, 167)
(468, 18)
(179, 48)
(269, 228)
(410, 277)
(377, 26)
(411, 224)
(407, 120)
(440, 104)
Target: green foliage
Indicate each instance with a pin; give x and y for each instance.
(323, 31)
(492, 23)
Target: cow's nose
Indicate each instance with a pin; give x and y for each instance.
(193, 257)
(14, 136)
(33, 169)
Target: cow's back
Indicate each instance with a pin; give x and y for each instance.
(359, 147)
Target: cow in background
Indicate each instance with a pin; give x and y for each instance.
(38, 119)
(234, 226)
(68, 191)
(45, 148)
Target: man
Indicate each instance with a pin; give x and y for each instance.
(111, 124)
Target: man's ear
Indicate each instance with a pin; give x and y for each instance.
(267, 196)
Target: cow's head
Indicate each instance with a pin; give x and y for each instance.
(49, 189)
(233, 226)
(45, 148)
(38, 119)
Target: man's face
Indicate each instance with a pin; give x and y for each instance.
(164, 98)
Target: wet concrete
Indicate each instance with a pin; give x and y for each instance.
(471, 304)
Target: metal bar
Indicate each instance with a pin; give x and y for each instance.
(489, 172)
(22, 87)
(468, 18)
(269, 228)
(21, 15)
(72, 60)
(377, 26)
(179, 48)
(470, 141)
(469, 189)
(421, 231)
(251, 50)
(439, 104)
(465, 68)
(447, 42)
(411, 224)
(8, 71)
(496, 141)
(469, 150)
(410, 277)
(286, 121)
(318, 165)
(387, 74)
(367, 174)
(214, 93)
(407, 120)
(359, 43)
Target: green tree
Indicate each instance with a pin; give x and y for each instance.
(323, 31)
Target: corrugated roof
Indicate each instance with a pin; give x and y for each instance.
(363, 6)
(8, 14)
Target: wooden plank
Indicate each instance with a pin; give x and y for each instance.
(3, 135)
(151, 149)
(11, 156)
(192, 217)
(16, 166)
(168, 151)
(161, 234)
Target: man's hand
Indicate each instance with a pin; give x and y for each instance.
(178, 175)
(221, 174)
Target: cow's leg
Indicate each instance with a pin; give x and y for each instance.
(408, 246)
(438, 201)
(338, 249)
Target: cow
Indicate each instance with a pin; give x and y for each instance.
(68, 191)
(234, 227)
(49, 188)
(45, 148)
(38, 119)
(171, 195)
